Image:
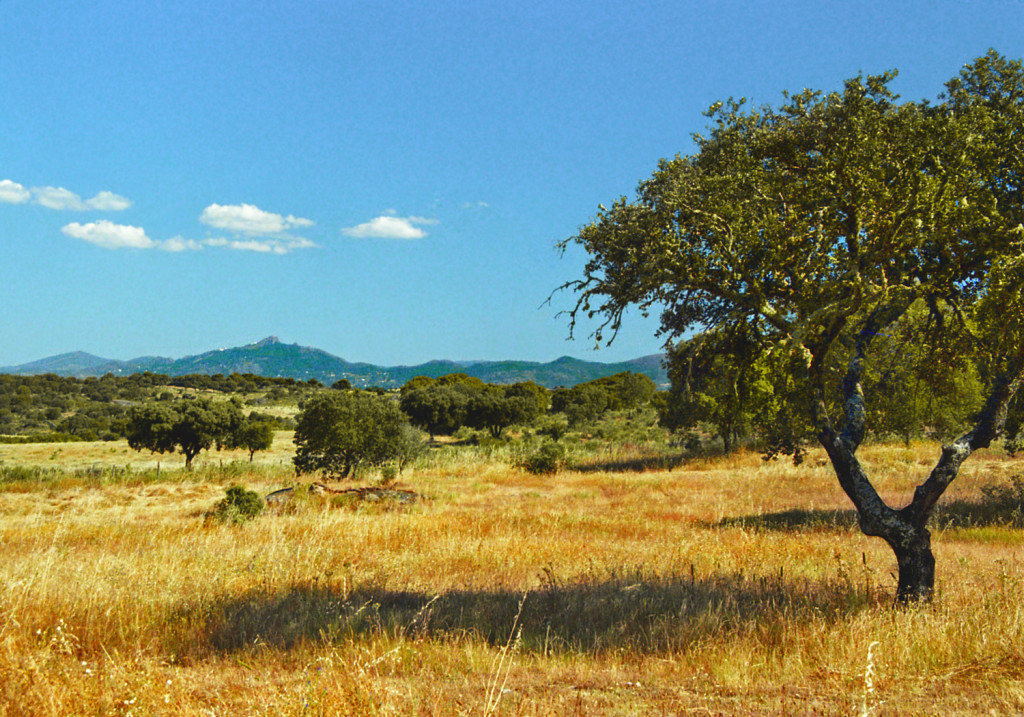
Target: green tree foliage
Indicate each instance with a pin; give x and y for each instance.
(815, 227)
(191, 426)
(437, 409)
(408, 447)
(904, 395)
(97, 407)
(461, 379)
(536, 398)
(495, 408)
(1015, 426)
(581, 404)
(443, 406)
(626, 390)
(252, 435)
(586, 402)
(720, 380)
(417, 382)
(338, 431)
(549, 457)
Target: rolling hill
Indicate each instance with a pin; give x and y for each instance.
(271, 357)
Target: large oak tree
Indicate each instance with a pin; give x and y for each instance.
(816, 226)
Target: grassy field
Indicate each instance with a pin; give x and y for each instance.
(720, 586)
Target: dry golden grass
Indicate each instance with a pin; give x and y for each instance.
(726, 587)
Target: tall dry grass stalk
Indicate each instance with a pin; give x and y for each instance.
(729, 587)
(501, 666)
(869, 702)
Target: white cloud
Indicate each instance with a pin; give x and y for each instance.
(279, 245)
(423, 220)
(109, 235)
(273, 246)
(255, 229)
(13, 193)
(249, 219)
(180, 244)
(109, 202)
(389, 227)
(64, 199)
(58, 198)
(252, 245)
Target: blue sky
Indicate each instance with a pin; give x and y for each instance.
(383, 180)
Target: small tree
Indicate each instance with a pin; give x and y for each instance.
(337, 431)
(720, 381)
(239, 506)
(253, 436)
(495, 408)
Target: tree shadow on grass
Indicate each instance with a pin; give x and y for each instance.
(983, 513)
(795, 519)
(630, 464)
(1000, 505)
(645, 614)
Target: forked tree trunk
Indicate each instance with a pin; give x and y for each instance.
(904, 529)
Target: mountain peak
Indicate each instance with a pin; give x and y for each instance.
(269, 341)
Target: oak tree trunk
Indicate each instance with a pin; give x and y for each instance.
(916, 581)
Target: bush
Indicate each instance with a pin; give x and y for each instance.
(239, 506)
(549, 458)
(554, 427)
(1006, 500)
(388, 474)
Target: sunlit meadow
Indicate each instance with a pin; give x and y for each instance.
(630, 584)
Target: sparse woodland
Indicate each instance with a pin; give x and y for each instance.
(642, 575)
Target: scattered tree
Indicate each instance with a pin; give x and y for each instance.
(338, 431)
(718, 380)
(581, 404)
(627, 391)
(252, 435)
(437, 409)
(238, 506)
(189, 425)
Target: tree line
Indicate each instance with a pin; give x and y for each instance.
(96, 408)
(338, 430)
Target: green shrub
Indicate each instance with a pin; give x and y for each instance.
(239, 506)
(47, 437)
(549, 458)
(388, 474)
(554, 427)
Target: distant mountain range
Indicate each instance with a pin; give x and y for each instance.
(270, 357)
